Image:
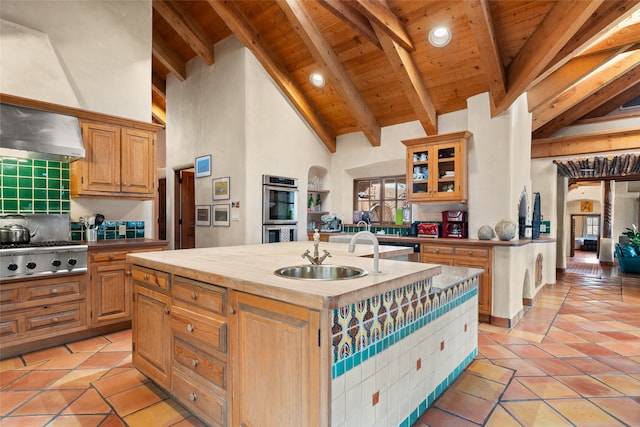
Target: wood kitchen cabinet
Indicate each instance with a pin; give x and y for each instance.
(276, 354)
(152, 349)
(41, 312)
(437, 168)
(111, 285)
(460, 255)
(120, 161)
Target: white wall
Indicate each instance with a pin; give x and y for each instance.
(625, 210)
(233, 111)
(93, 55)
(103, 49)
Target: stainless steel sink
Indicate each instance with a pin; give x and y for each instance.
(320, 272)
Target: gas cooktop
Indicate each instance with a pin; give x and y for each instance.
(48, 244)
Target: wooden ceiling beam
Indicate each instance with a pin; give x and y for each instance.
(168, 57)
(158, 113)
(411, 81)
(245, 32)
(609, 14)
(564, 77)
(561, 23)
(613, 103)
(378, 13)
(186, 28)
(625, 36)
(584, 96)
(354, 19)
(158, 85)
(597, 142)
(332, 68)
(483, 32)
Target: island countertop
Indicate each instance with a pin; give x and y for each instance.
(250, 268)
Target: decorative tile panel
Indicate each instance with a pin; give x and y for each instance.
(109, 230)
(30, 186)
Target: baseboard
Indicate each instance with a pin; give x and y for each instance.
(504, 322)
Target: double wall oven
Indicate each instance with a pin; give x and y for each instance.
(279, 209)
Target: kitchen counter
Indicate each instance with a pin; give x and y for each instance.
(123, 243)
(250, 268)
(231, 341)
(445, 240)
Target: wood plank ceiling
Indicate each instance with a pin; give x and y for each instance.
(576, 59)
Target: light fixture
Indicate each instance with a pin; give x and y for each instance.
(316, 79)
(439, 36)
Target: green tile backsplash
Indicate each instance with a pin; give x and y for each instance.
(34, 186)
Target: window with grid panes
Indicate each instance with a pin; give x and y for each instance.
(380, 196)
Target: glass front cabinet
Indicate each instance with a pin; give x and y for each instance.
(437, 168)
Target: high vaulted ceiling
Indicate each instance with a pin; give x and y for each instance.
(576, 59)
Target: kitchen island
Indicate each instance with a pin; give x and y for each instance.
(238, 345)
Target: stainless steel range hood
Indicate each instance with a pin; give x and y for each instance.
(37, 134)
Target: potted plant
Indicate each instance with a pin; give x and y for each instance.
(633, 235)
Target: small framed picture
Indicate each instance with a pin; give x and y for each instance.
(221, 188)
(203, 215)
(221, 215)
(203, 166)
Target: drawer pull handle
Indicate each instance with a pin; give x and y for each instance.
(437, 251)
(470, 252)
(145, 277)
(167, 311)
(190, 328)
(194, 363)
(111, 257)
(193, 397)
(55, 320)
(54, 291)
(194, 296)
(232, 310)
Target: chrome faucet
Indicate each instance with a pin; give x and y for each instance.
(316, 259)
(366, 224)
(376, 252)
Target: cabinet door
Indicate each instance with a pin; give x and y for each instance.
(277, 355)
(111, 293)
(151, 334)
(484, 284)
(419, 172)
(101, 171)
(138, 171)
(448, 175)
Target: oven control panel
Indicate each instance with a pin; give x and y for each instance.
(35, 262)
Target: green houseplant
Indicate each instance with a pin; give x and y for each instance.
(633, 235)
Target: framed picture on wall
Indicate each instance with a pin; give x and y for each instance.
(203, 166)
(586, 206)
(221, 215)
(221, 187)
(203, 215)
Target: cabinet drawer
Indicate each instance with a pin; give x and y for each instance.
(52, 291)
(203, 295)
(472, 252)
(9, 296)
(437, 250)
(108, 256)
(209, 330)
(198, 396)
(9, 328)
(50, 318)
(151, 277)
(201, 362)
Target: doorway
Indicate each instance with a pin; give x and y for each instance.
(184, 209)
(585, 237)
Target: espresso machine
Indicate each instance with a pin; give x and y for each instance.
(454, 224)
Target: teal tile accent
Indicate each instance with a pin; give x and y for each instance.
(109, 230)
(34, 186)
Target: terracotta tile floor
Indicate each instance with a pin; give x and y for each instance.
(574, 360)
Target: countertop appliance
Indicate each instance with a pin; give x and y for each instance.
(428, 229)
(49, 252)
(454, 224)
(279, 209)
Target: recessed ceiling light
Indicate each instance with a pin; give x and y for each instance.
(316, 79)
(439, 36)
